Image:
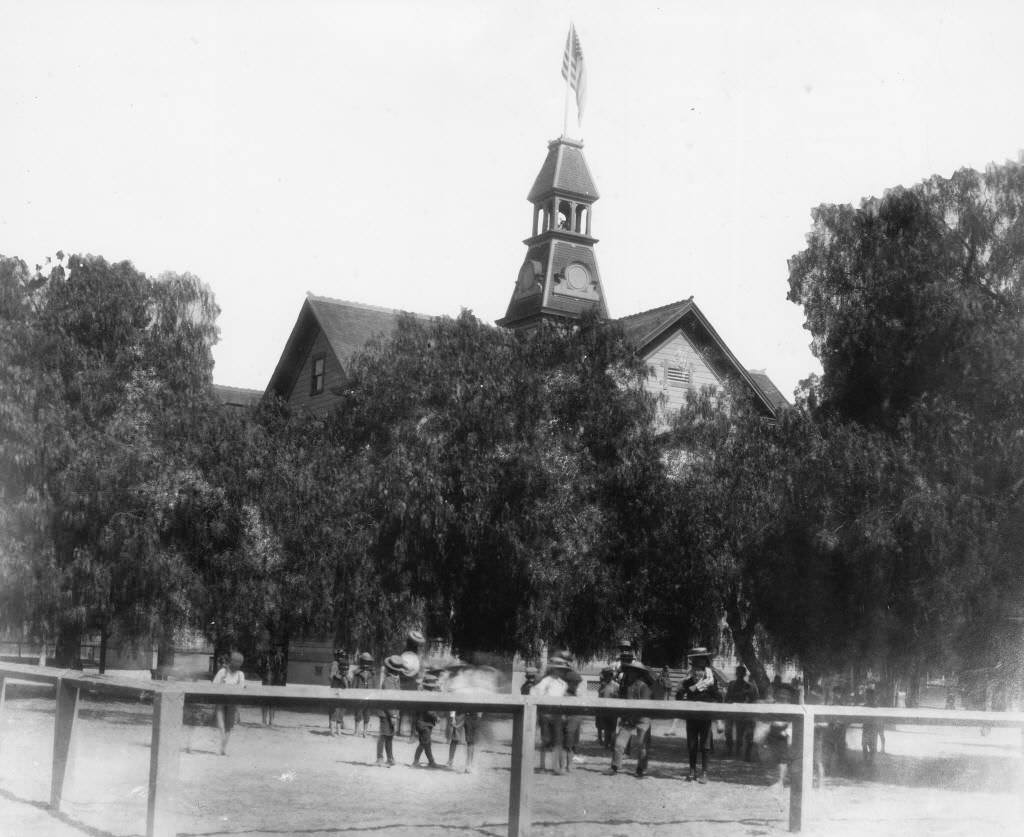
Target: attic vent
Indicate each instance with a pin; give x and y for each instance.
(678, 376)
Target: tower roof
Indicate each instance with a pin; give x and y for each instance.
(564, 172)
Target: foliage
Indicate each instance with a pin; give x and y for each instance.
(104, 370)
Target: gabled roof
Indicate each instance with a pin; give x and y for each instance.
(347, 326)
(769, 389)
(564, 171)
(647, 328)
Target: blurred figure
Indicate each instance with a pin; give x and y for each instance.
(230, 675)
(776, 746)
(552, 684)
(638, 682)
(571, 724)
(872, 730)
(529, 682)
(409, 676)
(339, 680)
(700, 685)
(388, 718)
(363, 679)
(606, 721)
(465, 727)
(739, 734)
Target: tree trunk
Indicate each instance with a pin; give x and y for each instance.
(743, 642)
(68, 647)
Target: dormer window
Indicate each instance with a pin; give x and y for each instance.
(316, 378)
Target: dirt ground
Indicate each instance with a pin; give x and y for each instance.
(294, 779)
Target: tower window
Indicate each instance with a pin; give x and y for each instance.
(316, 378)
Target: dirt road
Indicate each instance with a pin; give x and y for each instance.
(294, 779)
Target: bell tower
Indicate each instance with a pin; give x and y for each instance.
(559, 280)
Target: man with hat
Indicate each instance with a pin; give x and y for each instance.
(552, 684)
(638, 681)
(388, 718)
(740, 733)
(363, 679)
(700, 685)
(339, 680)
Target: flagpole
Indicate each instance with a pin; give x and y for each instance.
(568, 82)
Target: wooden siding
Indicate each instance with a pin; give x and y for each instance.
(333, 377)
(677, 351)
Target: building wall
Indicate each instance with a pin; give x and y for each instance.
(333, 377)
(677, 353)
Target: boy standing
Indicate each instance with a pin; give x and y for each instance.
(605, 721)
(388, 718)
(552, 684)
(699, 685)
(339, 680)
(637, 681)
(363, 680)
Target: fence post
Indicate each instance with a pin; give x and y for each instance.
(164, 763)
(524, 725)
(63, 739)
(801, 768)
(3, 702)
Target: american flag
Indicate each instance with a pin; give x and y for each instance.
(574, 70)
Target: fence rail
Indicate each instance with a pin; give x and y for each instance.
(170, 697)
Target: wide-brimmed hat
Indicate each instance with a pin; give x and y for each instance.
(609, 670)
(531, 670)
(558, 662)
(394, 663)
(626, 643)
(366, 657)
(417, 637)
(430, 682)
(410, 664)
(699, 651)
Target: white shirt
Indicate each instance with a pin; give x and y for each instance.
(226, 677)
(550, 686)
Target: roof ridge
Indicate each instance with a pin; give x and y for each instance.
(659, 308)
(364, 306)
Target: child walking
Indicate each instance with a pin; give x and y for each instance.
(424, 722)
(230, 675)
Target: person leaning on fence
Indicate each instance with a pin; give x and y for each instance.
(388, 718)
(339, 680)
(606, 721)
(424, 722)
(739, 734)
(699, 685)
(363, 679)
(230, 675)
(552, 684)
(634, 728)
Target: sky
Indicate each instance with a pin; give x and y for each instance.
(381, 152)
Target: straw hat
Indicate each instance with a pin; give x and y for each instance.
(417, 637)
(394, 663)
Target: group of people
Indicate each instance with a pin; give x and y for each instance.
(405, 671)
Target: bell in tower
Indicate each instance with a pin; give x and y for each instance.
(559, 280)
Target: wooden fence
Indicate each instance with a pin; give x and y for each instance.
(169, 699)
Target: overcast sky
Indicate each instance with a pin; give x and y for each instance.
(381, 152)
